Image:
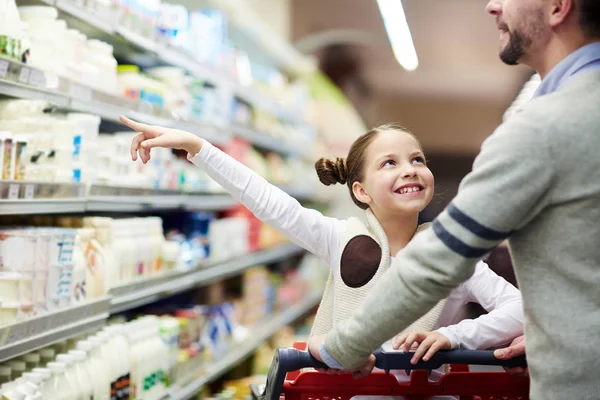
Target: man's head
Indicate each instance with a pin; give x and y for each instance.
(529, 29)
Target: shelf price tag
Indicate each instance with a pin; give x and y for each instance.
(4, 68)
(13, 191)
(29, 191)
(24, 75)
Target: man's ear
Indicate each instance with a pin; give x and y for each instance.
(360, 193)
(559, 11)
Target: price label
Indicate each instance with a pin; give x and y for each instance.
(81, 92)
(24, 75)
(4, 68)
(13, 191)
(37, 78)
(29, 191)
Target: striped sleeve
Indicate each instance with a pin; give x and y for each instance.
(508, 187)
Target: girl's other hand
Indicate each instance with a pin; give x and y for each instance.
(428, 343)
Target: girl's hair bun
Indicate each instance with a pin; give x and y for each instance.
(331, 172)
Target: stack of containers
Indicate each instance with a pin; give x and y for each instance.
(66, 52)
(36, 271)
(136, 248)
(57, 148)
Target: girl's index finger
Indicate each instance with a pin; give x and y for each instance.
(136, 126)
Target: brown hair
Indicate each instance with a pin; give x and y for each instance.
(351, 169)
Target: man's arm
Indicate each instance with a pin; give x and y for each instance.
(508, 187)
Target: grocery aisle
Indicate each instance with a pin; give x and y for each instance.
(127, 281)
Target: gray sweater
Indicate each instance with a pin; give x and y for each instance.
(536, 182)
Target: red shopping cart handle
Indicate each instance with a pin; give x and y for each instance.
(287, 360)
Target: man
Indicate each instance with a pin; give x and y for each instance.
(535, 182)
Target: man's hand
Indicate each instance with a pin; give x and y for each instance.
(314, 344)
(516, 348)
(429, 343)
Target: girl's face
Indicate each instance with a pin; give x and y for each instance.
(397, 179)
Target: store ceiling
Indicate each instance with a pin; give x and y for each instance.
(457, 45)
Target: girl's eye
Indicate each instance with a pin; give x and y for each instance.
(388, 163)
(419, 160)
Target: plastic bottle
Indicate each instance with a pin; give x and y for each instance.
(45, 388)
(94, 369)
(47, 355)
(5, 374)
(111, 359)
(32, 360)
(118, 346)
(30, 391)
(84, 379)
(33, 385)
(18, 367)
(102, 390)
(59, 385)
(71, 375)
(12, 386)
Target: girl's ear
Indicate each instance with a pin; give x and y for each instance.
(360, 193)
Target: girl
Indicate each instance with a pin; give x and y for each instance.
(388, 177)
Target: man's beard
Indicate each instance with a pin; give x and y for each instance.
(515, 49)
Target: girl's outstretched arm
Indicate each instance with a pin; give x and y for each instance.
(306, 227)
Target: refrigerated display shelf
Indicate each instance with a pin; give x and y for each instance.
(31, 334)
(130, 296)
(109, 25)
(20, 197)
(70, 96)
(257, 336)
(34, 333)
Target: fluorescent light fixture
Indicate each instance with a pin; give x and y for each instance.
(398, 33)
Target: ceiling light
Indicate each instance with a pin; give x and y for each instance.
(398, 33)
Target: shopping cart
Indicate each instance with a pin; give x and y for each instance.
(286, 379)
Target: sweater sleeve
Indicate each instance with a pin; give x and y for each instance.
(508, 187)
(306, 227)
(502, 323)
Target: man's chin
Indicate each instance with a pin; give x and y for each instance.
(509, 56)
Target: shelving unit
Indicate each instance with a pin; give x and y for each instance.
(20, 197)
(34, 333)
(133, 295)
(259, 334)
(24, 82)
(21, 81)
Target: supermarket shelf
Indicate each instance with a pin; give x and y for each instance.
(70, 96)
(34, 333)
(254, 340)
(20, 197)
(21, 91)
(108, 25)
(42, 206)
(144, 292)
